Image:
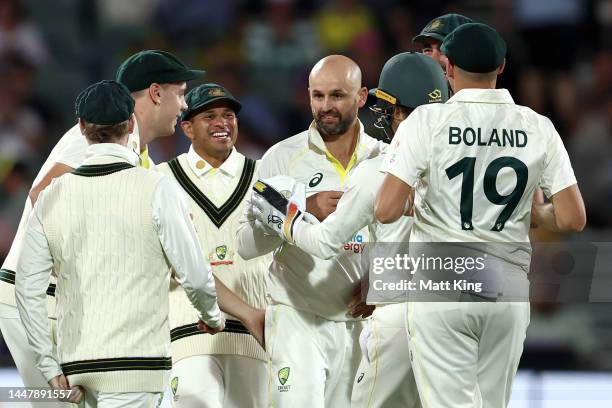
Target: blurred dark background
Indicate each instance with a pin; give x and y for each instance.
(559, 63)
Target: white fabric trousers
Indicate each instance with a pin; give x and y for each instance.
(219, 381)
(385, 377)
(94, 399)
(15, 338)
(463, 352)
(313, 360)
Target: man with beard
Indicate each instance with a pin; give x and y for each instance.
(407, 81)
(311, 339)
(229, 369)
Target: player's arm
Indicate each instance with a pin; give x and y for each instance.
(405, 162)
(56, 170)
(31, 282)
(393, 200)
(354, 211)
(231, 304)
(182, 247)
(565, 213)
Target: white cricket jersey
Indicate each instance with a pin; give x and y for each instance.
(71, 151)
(476, 161)
(296, 278)
(355, 211)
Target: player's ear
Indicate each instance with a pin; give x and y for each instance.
(187, 127)
(154, 92)
(363, 96)
(131, 124)
(501, 67)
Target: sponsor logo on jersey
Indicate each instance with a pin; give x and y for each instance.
(283, 376)
(315, 180)
(356, 244)
(174, 387)
(360, 378)
(435, 96)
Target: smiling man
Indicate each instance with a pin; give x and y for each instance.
(229, 369)
(311, 338)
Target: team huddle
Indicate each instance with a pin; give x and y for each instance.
(240, 283)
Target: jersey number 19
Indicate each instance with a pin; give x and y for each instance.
(466, 166)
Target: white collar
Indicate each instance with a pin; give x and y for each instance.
(231, 166)
(99, 153)
(481, 95)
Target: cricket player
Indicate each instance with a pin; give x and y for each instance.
(431, 36)
(311, 339)
(110, 231)
(157, 82)
(383, 379)
(480, 158)
(229, 369)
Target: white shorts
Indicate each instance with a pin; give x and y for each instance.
(15, 338)
(462, 352)
(385, 377)
(313, 361)
(219, 381)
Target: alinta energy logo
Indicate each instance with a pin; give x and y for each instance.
(283, 376)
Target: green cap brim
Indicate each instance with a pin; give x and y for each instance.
(190, 74)
(423, 38)
(234, 104)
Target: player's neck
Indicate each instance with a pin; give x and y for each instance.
(342, 146)
(465, 83)
(144, 131)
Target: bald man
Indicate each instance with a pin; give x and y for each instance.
(310, 337)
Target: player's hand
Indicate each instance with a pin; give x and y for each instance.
(60, 382)
(356, 306)
(322, 204)
(202, 326)
(255, 323)
(279, 203)
(538, 199)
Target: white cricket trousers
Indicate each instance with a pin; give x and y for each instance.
(313, 361)
(385, 378)
(15, 338)
(464, 351)
(219, 381)
(95, 399)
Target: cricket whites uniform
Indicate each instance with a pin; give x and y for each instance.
(311, 340)
(480, 158)
(228, 369)
(384, 377)
(69, 150)
(110, 232)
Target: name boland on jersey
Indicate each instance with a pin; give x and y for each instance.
(296, 278)
(476, 161)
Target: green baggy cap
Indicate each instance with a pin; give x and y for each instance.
(475, 47)
(203, 95)
(440, 27)
(104, 103)
(152, 66)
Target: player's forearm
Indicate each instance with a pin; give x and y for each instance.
(230, 303)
